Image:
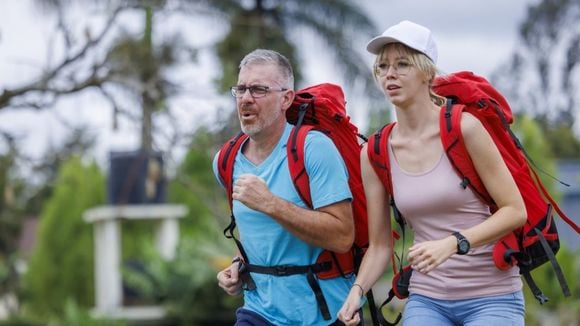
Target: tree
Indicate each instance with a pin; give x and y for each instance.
(537, 146)
(62, 263)
(24, 199)
(195, 186)
(567, 310)
(541, 78)
(75, 71)
(141, 68)
(285, 26)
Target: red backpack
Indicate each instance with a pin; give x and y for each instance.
(529, 246)
(320, 107)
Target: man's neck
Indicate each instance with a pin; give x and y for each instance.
(259, 147)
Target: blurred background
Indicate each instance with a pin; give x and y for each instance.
(110, 102)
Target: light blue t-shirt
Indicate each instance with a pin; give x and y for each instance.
(289, 300)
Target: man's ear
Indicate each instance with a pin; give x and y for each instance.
(287, 99)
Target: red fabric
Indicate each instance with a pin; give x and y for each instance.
(477, 96)
(378, 154)
(326, 112)
(474, 94)
(226, 158)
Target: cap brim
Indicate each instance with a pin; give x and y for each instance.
(375, 45)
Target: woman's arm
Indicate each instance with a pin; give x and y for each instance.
(500, 184)
(380, 248)
(498, 181)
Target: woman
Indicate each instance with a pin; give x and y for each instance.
(451, 284)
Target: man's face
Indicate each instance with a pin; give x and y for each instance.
(258, 113)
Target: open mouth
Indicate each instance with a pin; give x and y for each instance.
(248, 115)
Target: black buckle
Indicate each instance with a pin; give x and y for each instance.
(281, 270)
(247, 281)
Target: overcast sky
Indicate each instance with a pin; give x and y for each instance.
(476, 35)
(471, 34)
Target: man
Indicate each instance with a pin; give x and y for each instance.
(277, 230)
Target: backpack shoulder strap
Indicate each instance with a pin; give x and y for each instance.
(295, 152)
(378, 154)
(225, 162)
(456, 151)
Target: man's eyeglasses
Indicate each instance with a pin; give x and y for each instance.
(255, 90)
(400, 67)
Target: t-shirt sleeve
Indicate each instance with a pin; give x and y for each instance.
(326, 170)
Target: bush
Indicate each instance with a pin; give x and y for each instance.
(61, 267)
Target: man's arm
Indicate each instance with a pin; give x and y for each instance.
(330, 227)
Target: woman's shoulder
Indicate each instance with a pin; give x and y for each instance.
(470, 125)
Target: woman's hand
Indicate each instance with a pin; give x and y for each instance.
(348, 314)
(426, 256)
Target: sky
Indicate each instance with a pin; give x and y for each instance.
(476, 35)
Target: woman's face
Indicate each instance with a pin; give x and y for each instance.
(398, 76)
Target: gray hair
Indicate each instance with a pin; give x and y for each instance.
(261, 56)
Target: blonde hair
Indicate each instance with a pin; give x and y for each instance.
(417, 59)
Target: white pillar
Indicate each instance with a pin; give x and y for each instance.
(166, 237)
(108, 281)
(108, 287)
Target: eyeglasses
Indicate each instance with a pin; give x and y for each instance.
(255, 90)
(400, 67)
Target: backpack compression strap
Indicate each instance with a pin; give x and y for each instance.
(225, 162)
(378, 154)
(377, 151)
(295, 152)
(454, 147)
(225, 165)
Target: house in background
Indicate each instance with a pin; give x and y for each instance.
(569, 172)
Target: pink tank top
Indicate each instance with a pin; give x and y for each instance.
(434, 205)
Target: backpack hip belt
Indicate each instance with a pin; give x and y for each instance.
(287, 270)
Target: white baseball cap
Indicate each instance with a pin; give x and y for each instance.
(412, 35)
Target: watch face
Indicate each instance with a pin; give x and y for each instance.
(463, 246)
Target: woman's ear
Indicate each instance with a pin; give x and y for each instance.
(428, 78)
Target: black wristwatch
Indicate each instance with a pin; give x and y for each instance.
(463, 244)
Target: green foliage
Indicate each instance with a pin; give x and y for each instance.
(196, 187)
(270, 24)
(186, 286)
(568, 309)
(562, 141)
(538, 148)
(379, 116)
(252, 30)
(78, 316)
(61, 267)
(73, 315)
(136, 235)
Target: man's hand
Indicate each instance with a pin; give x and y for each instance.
(252, 191)
(229, 280)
